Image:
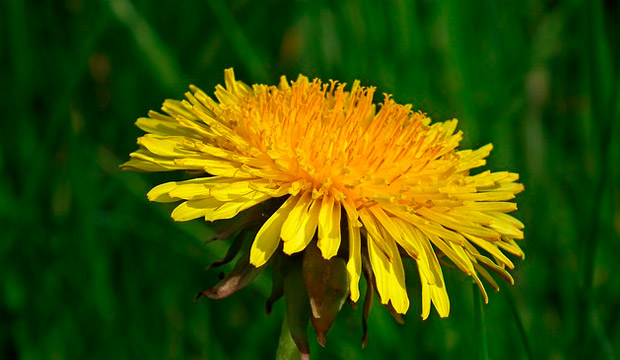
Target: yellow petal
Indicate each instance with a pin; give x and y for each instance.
(307, 227)
(425, 225)
(167, 146)
(146, 160)
(213, 209)
(198, 188)
(224, 96)
(161, 193)
(446, 248)
(489, 179)
(202, 131)
(141, 165)
(485, 274)
(203, 99)
(329, 227)
(481, 288)
(499, 270)
(229, 80)
(268, 237)
(511, 187)
(464, 262)
(397, 229)
(230, 209)
(354, 265)
(193, 209)
(372, 227)
(486, 196)
(389, 274)
(440, 299)
(432, 291)
(327, 206)
(426, 295)
(213, 166)
(507, 229)
(413, 238)
(232, 191)
(294, 219)
(283, 85)
(167, 126)
(269, 188)
(509, 219)
(491, 248)
(437, 295)
(471, 159)
(502, 207)
(381, 268)
(216, 151)
(511, 246)
(175, 108)
(197, 106)
(460, 225)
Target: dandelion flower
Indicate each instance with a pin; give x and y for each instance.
(344, 184)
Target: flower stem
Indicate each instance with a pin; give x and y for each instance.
(287, 349)
(480, 333)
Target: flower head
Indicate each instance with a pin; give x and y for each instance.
(365, 185)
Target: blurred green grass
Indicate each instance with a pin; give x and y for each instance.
(90, 269)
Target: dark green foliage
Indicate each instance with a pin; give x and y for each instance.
(90, 269)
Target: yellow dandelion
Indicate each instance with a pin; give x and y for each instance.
(357, 180)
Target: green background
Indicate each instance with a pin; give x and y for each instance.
(90, 269)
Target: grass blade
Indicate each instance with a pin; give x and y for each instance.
(167, 70)
(479, 325)
(239, 42)
(602, 110)
(519, 322)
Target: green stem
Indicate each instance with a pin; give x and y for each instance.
(287, 349)
(480, 334)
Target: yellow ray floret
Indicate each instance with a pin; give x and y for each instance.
(404, 185)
